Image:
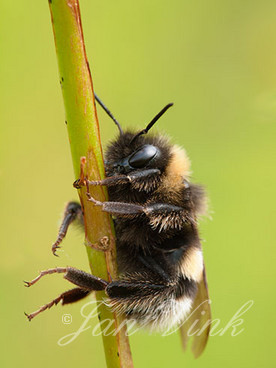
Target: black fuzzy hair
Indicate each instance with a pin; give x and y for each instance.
(122, 147)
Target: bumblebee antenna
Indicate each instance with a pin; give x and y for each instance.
(153, 121)
(108, 113)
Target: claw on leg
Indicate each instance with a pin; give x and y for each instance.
(82, 179)
(93, 200)
(72, 212)
(46, 272)
(56, 246)
(85, 282)
(43, 308)
(79, 183)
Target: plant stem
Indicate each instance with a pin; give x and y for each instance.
(84, 137)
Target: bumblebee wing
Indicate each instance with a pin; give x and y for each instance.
(199, 318)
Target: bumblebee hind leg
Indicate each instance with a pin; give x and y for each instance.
(86, 284)
(148, 299)
(70, 296)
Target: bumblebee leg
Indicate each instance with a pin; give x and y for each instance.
(70, 296)
(120, 179)
(161, 215)
(86, 284)
(117, 208)
(46, 272)
(80, 278)
(72, 212)
(122, 208)
(112, 180)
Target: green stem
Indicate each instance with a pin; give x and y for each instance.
(84, 137)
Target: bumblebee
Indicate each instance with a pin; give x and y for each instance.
(162, 279)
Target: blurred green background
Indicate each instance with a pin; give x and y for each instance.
(216, 61)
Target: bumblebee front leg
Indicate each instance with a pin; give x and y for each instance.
(134, 178)
(72, 212)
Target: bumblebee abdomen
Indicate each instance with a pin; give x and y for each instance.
(152, 302)
(163, 315)
(156, 312)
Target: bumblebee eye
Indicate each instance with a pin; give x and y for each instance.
(143, 156)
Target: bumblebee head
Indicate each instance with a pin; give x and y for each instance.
(125, 155)
(133, 151)
(139, 159)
